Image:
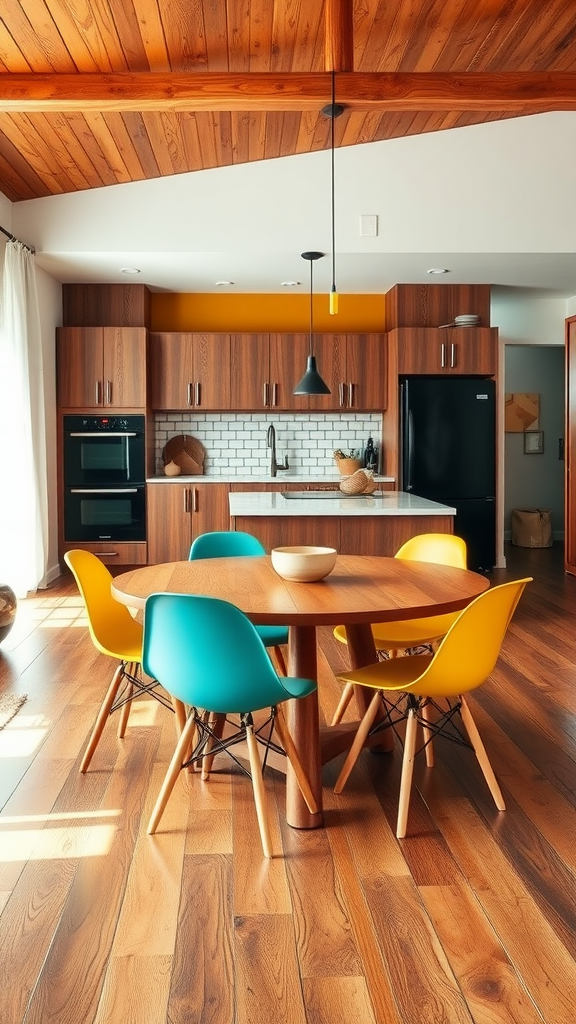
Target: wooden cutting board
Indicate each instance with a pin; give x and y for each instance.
(187, 452)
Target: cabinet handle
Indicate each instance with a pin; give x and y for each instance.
(341, 393)
(265, 395)
(443, 355)
(274, 394)
(189, 393)
(97, 392)
(108, 554)
(186, 493)
(195, 499)
(198, 393)
(109, 392)
(350, 394)
(452, 356)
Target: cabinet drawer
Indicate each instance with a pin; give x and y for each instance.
(113, 554)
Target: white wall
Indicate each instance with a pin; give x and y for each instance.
(525, 317)
(5, 213)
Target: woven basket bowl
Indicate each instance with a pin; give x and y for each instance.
(355, 484)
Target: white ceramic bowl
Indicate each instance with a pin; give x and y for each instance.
(303, 564)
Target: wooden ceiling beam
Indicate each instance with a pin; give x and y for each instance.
(339, 36)
(517, 92)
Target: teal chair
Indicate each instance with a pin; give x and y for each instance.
(183, 649)
(231, 544)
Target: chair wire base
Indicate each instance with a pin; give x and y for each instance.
(397, 710)
(133, 686)
(209, 742)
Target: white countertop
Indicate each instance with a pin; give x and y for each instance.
(389, 503)
(246, 478)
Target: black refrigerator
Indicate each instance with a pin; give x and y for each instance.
(448, 431)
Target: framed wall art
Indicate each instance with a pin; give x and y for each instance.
(521, 412)
(533, 442)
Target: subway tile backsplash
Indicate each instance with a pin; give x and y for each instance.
(235, 443)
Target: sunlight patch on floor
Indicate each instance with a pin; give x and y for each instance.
(22, 819)
(56, 843)
(145, 712)
(18, 742)
(50, 612)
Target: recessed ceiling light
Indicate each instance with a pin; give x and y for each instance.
(129, 270)
(437, 270)
(290, 284)
(223, 284)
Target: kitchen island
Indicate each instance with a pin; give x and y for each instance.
(375, 524)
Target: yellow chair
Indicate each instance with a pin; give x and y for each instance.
(441, 548)
(114, 632)
(428, 689)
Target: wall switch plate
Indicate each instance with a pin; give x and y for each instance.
(368, 225)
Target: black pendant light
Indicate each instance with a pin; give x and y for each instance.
(311, 383)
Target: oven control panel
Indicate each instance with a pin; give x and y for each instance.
(123, 424)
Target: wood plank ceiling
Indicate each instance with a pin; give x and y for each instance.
(99, 92)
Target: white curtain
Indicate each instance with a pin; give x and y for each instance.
(23, 488)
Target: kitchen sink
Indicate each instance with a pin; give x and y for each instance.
(307, 495)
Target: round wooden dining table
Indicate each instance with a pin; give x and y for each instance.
(361, 589)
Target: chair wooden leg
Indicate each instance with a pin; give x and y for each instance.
(292, 755)
(179, 716)
(407, 770)
(179, 723)
(172, 774)
(281, 661)
(347, 694)
(217, 723)
(102, 718)
(259, 792)
(359, 740)
(481, 754)
(426, 709)
(127, 707)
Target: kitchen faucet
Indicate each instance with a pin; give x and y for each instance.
(271, 443)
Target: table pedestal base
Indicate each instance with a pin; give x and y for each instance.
(316, 746)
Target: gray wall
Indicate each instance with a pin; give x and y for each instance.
(536, 480)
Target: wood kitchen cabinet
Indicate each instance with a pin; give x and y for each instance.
(354, 368)
(250, 371)
(190, 370)
(110, 552)
(265, 368)
(180, 511)
(430, 305)
(350, 535)
(454, 350)
(101, 367)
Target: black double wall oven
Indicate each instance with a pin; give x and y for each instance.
(104, 461)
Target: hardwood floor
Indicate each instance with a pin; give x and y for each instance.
(471, 918)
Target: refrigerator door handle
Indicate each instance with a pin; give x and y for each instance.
(410, 458)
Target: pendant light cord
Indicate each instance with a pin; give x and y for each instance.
(311, 309)
(333, 118)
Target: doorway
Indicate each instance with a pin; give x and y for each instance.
(535, 479)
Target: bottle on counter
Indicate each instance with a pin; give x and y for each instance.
(370, 455)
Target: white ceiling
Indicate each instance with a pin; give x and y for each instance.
(492, 203)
